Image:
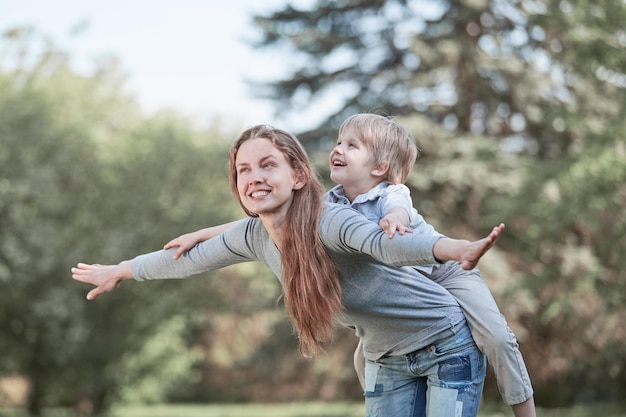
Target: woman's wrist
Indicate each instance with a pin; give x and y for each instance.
(124, 270)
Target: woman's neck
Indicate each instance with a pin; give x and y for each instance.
(274, 226)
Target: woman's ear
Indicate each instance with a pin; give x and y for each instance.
(300, 180)
(380, 169)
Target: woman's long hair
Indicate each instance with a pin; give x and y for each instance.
(310, 281)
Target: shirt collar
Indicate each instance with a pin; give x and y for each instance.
(338, 194)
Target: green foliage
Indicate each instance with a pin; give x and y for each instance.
(47, 162)
(163, 363)
(518, 107)
(520, 110)
(85, 177)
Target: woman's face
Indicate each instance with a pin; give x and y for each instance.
(265, 179)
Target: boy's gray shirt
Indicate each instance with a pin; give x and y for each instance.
(395, 310)
(375, 204)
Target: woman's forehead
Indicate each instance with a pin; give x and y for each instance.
(255, 149)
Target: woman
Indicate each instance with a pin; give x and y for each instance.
(421, 359)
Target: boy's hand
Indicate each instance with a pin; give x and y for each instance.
(392, 223)
(187, 241)
(183, 243)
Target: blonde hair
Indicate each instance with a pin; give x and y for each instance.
(388, 142)
(310, 282)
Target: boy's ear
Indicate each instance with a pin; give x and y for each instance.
(380, 169)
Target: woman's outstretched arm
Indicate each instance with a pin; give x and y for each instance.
(106, 278)
(231, 247)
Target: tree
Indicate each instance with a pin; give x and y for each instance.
(519, 108)
(572, 228)
(461, 63)
(84, 177)
(44, 161)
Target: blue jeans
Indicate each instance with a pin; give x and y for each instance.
(444, 379)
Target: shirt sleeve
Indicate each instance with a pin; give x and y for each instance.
(345, 230)
(229, 248)
(397, 195)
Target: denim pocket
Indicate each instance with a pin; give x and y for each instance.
(446, 349)
(455, 369)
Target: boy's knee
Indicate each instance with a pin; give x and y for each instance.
(498, 340)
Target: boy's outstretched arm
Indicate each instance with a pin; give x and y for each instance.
(189, 240)
(466, 252)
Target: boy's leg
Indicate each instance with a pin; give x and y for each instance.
(491, 333)
(525, 409)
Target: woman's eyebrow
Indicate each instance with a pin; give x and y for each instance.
(261, 160)
(270, 156)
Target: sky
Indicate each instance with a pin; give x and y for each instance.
(189, 55)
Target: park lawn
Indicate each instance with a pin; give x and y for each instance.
(320, 409)
(313, 409)
(305, 409)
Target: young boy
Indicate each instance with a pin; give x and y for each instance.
(370, 162)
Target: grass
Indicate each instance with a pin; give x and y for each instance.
(313, 409)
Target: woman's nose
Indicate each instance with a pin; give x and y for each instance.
(256, 177)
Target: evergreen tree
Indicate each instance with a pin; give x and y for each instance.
(519, 106)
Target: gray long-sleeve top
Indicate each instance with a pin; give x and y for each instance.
(394, 309)
(376, 203)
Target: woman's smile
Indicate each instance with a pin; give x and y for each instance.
(256, 194)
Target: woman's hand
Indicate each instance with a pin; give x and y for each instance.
(106, 278)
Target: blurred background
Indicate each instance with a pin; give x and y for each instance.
(115, 123)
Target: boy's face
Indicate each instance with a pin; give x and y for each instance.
(351, 165)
